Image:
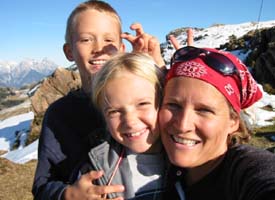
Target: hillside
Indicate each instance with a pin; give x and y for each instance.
(16, 180)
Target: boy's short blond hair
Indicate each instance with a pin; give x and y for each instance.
(100, 6)
(139, 64)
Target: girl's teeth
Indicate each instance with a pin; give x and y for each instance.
(184, 141)
(135, 134)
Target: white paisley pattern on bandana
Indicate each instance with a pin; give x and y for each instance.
(191, 69)
(229, 89)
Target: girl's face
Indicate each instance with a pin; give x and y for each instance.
(130, 111)
(195, 122)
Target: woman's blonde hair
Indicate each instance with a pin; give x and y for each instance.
(100, 6)
(139, 64)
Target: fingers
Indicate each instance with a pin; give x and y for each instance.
(140, 41)
(190, 37)
(100, 192)
(127, 36)
(85, 189)
(86, 180)
(93, 175)
(105, 189)
(138, 28)
(144, 42)
(174, 41)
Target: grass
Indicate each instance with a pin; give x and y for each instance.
(16, 180)
(262, 137)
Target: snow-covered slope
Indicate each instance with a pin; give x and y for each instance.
(216, 35)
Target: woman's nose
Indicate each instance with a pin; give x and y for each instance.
(185, 121)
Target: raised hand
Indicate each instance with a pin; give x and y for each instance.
(190, 39)
(144, 42)
(84, 189)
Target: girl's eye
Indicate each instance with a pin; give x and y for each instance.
(112, 113)
(144, 103)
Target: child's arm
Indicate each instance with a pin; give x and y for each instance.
(85, 189)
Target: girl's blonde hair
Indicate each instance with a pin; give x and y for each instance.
(139, 64)
(100, 6)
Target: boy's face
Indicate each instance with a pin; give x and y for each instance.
(96, 38)
(131, 113)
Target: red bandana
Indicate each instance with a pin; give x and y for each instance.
(227, 85)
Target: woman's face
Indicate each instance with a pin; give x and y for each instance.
(195, 122)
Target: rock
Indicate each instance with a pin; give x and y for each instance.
(263, 50)
(52, 88)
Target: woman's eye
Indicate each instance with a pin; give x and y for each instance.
(172, 106)
(205, 110)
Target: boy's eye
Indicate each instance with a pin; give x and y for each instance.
(109, 40)
(86, 39)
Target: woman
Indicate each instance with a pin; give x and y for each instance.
(203, 133)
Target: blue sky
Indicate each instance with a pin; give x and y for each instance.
(35, 28)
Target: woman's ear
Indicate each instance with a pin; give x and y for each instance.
(234, 124)
(68, 52)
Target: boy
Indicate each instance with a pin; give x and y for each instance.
(92, 37)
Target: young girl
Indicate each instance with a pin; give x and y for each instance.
(128, 93)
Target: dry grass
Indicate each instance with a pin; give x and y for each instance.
(16, 180)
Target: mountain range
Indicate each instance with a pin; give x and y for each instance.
(26, 72)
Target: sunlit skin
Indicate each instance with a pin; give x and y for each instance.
(195, 123)
(131, 113)
(96, 38)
